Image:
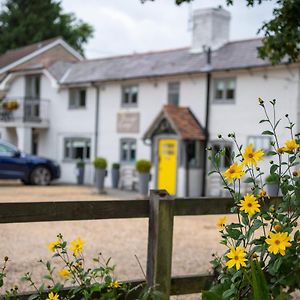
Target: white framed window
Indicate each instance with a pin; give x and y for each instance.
(260, 142)
(226, 160)
(130, 96)
(224, 90)
(77, 98)
(173, 93)
(77, 148)
(128, 150)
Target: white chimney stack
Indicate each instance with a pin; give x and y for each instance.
(210, 28)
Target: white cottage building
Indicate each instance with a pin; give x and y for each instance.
(153, 105)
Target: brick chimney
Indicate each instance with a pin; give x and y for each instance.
(210, 28)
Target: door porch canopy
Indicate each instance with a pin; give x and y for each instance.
(176, 120)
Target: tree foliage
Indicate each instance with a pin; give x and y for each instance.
(281, 34)
(24, 22)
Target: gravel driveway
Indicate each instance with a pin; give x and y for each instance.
(195, 238)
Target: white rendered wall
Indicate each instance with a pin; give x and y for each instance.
(242, 116)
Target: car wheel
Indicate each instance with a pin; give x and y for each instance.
(40, 176)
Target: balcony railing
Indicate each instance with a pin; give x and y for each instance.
(30, 110)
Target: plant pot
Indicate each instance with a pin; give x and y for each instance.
(144, 178)
(273, 189)
(115, 177)
(100, 176)
(80, 175)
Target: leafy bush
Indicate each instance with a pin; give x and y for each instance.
(100, 163)
(80, 163)
(262, 258)
(143, 165)
(116, 166)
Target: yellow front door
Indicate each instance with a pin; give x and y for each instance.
(167, 163)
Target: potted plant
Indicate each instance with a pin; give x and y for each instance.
(272, 183)
(143, 168)
(80, 171)
(100, 165)
(10, 105)
(115, 175)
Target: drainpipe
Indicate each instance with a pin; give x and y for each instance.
(96, 119)
(187, 170)
(208, 84)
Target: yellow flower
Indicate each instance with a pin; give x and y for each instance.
(237, 258)
(235, 171)
(64, 273)
(251, 157)
(53, 245)
(221, 222)
(77, 266)
(77, 246)
(280, 150)
(263, 195)
(114, 284)
(290, 145)
(52, 296)
(278, 227)
(249, 205)
(278, 242)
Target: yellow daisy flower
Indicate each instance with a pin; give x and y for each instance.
(221, 222)
(235, 171)
(53, 245)
(237, 258)
(249, 205)
(263, 195)
(290, 145)
(252, 157)
(278, 242)
(52, 296)
(77, 246)
(114, 284)
(64, 273)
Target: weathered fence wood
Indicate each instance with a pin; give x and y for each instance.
(72, 210)
(160, 242)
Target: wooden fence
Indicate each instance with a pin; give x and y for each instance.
(160, 209)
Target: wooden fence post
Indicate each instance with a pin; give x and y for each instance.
(160, 242)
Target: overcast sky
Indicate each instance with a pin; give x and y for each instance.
(127, 26)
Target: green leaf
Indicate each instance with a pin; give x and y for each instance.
(273, 169)
(249, 180)
(271, 153)
(267, 132)
(32, 297)
(262, 121)
(234, 233)
(258, 282)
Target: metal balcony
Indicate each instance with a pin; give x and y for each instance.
(16, 110)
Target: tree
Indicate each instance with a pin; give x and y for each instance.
(24, 22)
(281, 34)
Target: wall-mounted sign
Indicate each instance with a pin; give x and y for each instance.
(128, 122)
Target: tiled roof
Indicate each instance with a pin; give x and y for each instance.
(59, 68)
(239, 54)
(12, 56)
(181, 120)
(184, 121)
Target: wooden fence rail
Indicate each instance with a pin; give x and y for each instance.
(160, 209)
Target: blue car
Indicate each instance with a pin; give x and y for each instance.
(30, 169)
